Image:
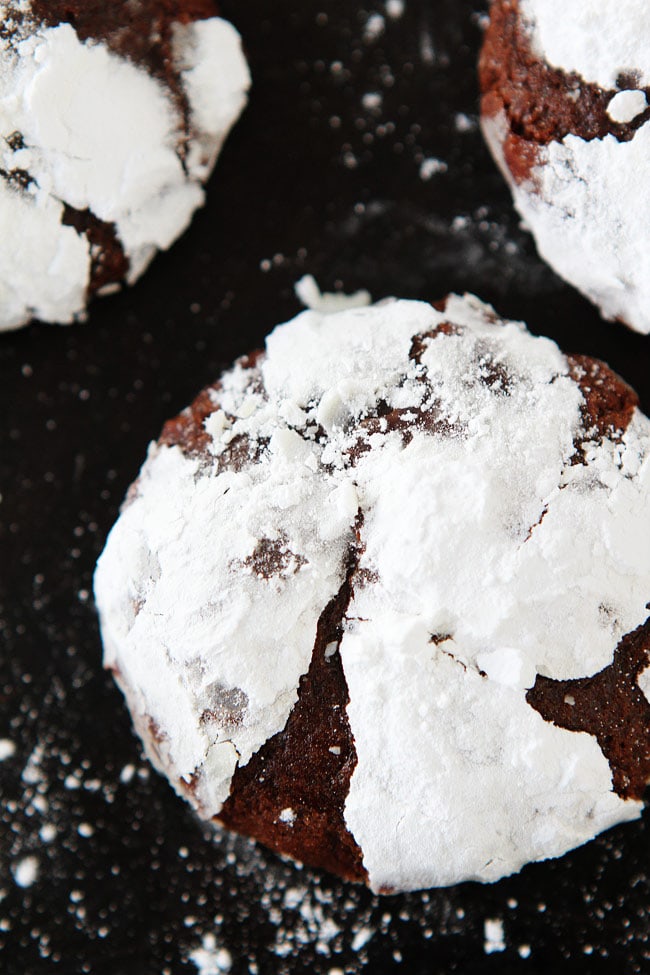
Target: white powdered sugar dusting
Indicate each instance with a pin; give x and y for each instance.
(583, 199)
(326, 302)
(216, 98)
(25, 871)
(439, 457)
(85, 128)
(7, 748)
(210, 959)
(626, 105)
(597, 39)
(493, 935)
(643, 681)
(584, 205)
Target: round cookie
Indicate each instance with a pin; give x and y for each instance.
(565, 111)
(378, 598)
(111, 119)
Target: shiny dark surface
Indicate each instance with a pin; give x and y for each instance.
(315, 179)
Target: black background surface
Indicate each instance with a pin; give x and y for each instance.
(312, 180)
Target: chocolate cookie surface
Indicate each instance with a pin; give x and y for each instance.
(373, 592)
(112, 116)
(565, 111)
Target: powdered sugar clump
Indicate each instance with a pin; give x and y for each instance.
(626, 105)
(85, 131)
(25, 871)
(644, 682)
(7, 748)
(493, 934)
(435, 448)
(210, 959)
(327, 302)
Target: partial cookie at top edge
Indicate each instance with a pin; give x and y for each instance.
(571, 147)
(113, 119)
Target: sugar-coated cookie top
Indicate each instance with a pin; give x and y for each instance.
(598, 39)
(489, 501)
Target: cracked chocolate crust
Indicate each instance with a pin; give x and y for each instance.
(108, 262)
(187, 429)
(541, 104)
(291, 794)
(610, 706)
(608, 402)
(306, 768)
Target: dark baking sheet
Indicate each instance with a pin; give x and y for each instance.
(313, 180)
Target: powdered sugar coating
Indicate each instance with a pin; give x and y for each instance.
(84, 128)
(599, 40)
(580, 195)
(644, 682)
(590, 229)
(439, 449)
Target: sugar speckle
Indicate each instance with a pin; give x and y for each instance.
(431, 167)
(210, 958)
(626, 105)
(25, 871)
(7, 749)
(361, 938)
(493, 935)
(127, 774)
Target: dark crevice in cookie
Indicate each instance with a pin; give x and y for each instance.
(305, 770)
(610, 706)
(542, 104)
(109, 263)
(608, 403)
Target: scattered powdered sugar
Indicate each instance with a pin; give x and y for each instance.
(430, 167)
(599, 40)
(375, 27)
(287, 816)
(493, 935)
(394, 9)
(7, 749)
(25, 871)
(327, 303)
(210, 959)
(455, 432)
(111, 145)
(361, 938)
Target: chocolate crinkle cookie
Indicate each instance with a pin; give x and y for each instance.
(111, 118)
(566, 113)
(379, 597)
